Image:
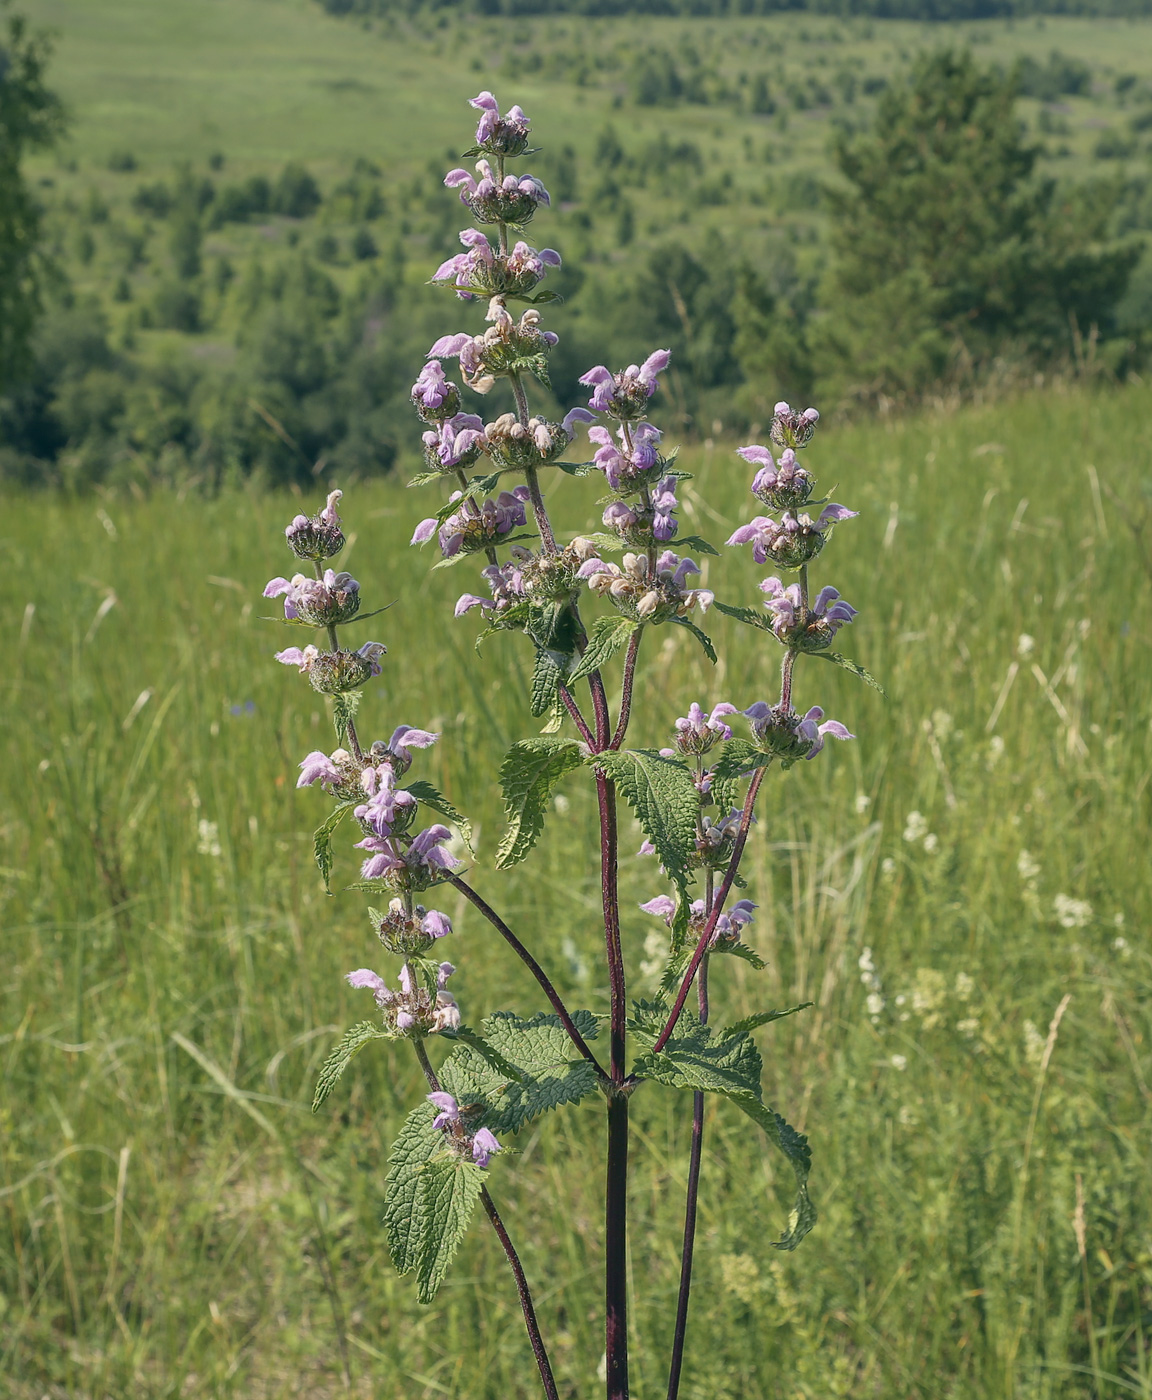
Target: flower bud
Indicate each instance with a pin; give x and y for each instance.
(792, 429)
(317, 536)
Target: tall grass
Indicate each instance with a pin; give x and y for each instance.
(175, 1223)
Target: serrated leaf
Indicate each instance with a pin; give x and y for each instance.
(491, 1056)
(531, 769)
(693, 1060)
(416, 1144)
(761, 1018)
(547, 674)
(447, 1189)
(738, 758)
(432, 797)
(576, 468)
(608, 635)
(612, 544)
(480, 486)
(546, 1071)
(344, 709)
(838, 660)
(742, 950)
(462, 554)
(322, 841)
(540, 299)
(702, 637)
(661, 793)
(696, 542)
(426, 478)
(748, 615)
(351, 1043)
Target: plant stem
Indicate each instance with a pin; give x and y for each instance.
(531, 475)
(615, 1249)
(692, 1196)
(626, 688)
(534, 1337)
(533, 966)
(616, 1184)
(577, 718)
(786, 682)
(710, 927)
(333, 642)
(526, 1307)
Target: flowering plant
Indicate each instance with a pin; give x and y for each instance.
(694, 798)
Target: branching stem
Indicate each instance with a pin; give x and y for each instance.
(626, 688)
(533, 966)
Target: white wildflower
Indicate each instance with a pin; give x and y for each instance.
(209, 842)
(899, 1062)
(995, 752)
(931, 843)
(965, 986)
(1026, 867)
(863, 802)
(1071, 913)
(969, 1027)
(875, 1004)
(915, 827)
(1025, 645)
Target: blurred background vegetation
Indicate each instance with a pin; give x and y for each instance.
(216, 222)
(231, 241)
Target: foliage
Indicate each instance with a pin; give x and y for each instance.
(948, 251)
(31, 116)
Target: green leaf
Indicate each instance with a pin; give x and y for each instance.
(434, 798)
(461, 555)
(701, 546)
(547, 674)
(661, 793)
(608, 635)
(480, 486)
(730, 1066)
(742, 950)
(322, 840)
(344, 709)
(738, 758)
(613, 544)
(576, 468)
(543, 1069)
(748, 615)
(475, 1041)
(417, 1143)
(702, 637)
(351, 1043)
(531, 769)
(761, 1018)
(843, 661)
(447, 1192)
(426, 478)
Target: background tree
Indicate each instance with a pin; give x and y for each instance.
(31, 116)
(947, 249)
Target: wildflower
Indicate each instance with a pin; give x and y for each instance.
(792, 541)
(415, 868)
(1025, 645)
(783, 485)
(625, 395)
(397, 752)
(808, 629)
(506, 583)
(208, 843)
(502, 349)
(863, 802)
(899, 1062)
(485, 271)
(387, 806)
(338, 772)
(915, 827)
(475, 527)
(1026, 867)
(875, 1003)
(484, 1147)
(965, 986)
(455, 443)
(791, 736)
(969, 1027)
(321, 602)
(728, 923)
(1071, 913)
(648, 596)
(435, 397)
(931, 843)
(410, 934)
(335, 672)
(317, 536)
(499, 135)
(639, 524)
(628, 460)
(515, 445)
(792, 429)
(413, 1010)
(512, 200)
(698, 731)
(1034, 1044)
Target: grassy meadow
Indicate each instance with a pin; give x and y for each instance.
(175, 1223)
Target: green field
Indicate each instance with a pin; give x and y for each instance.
(174, 971)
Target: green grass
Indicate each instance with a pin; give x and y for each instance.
(164, 1236)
